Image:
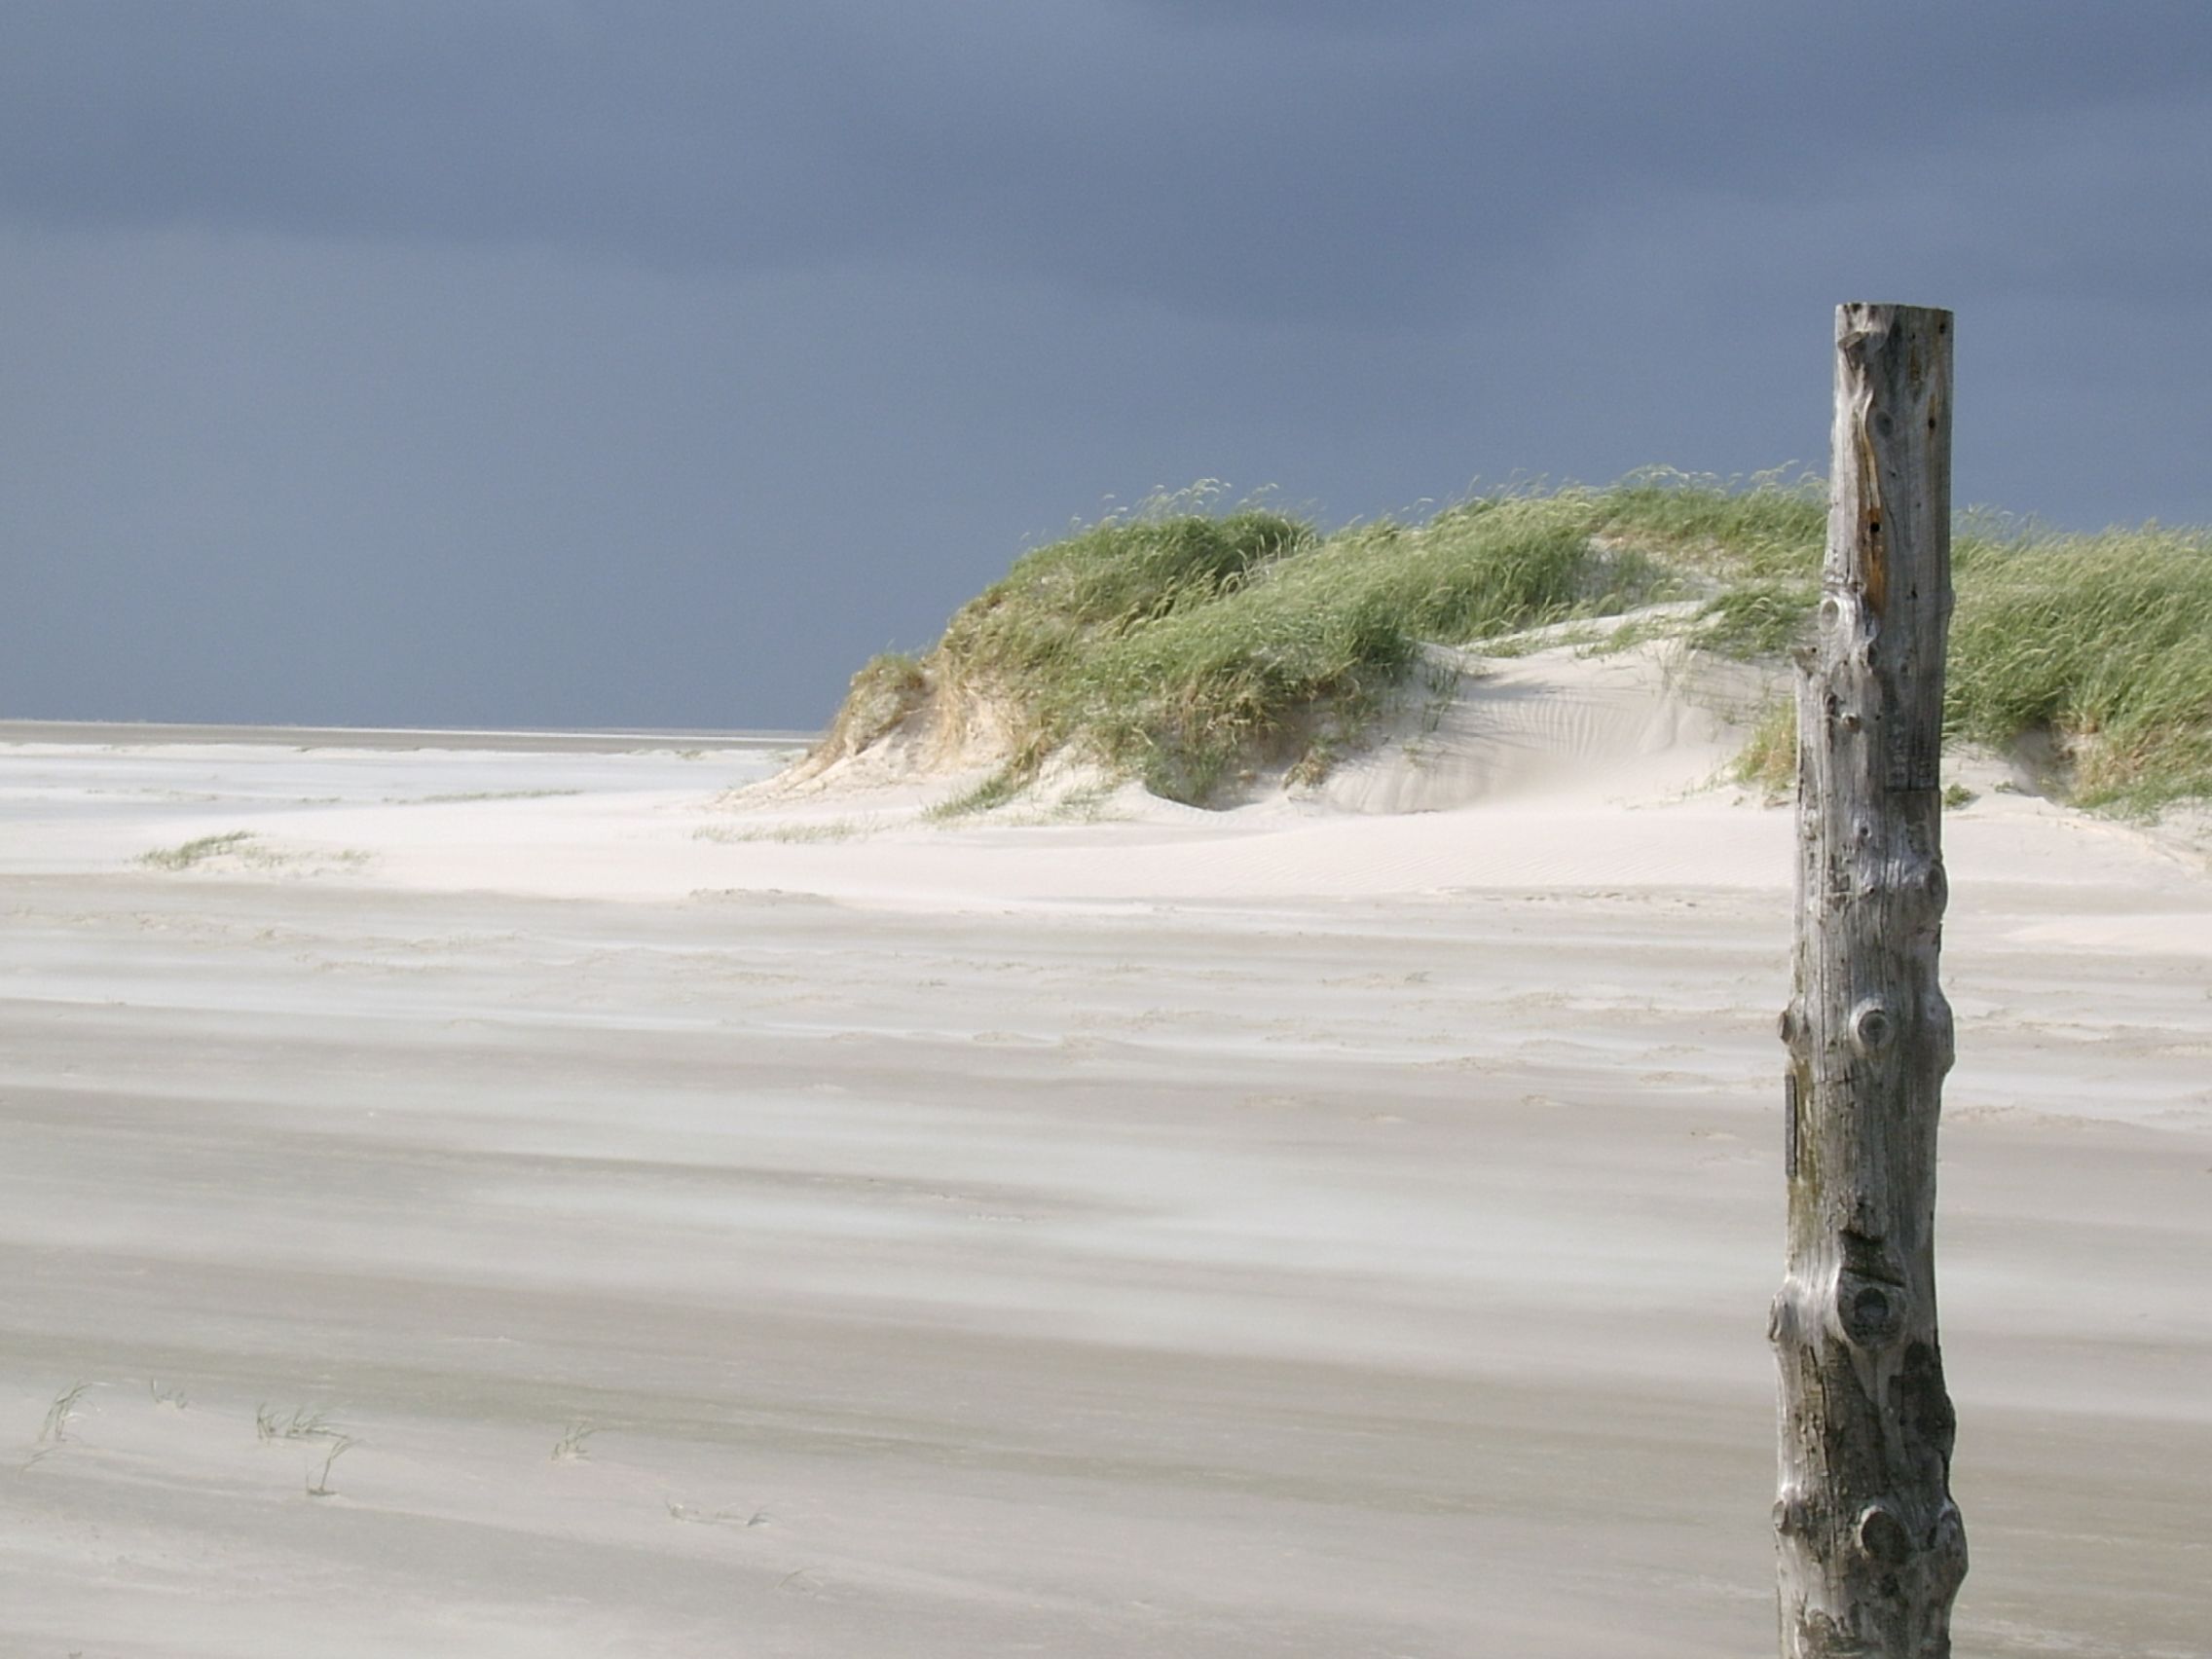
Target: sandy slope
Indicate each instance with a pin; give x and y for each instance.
(1310, 1229)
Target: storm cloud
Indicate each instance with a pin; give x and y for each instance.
(566, 363)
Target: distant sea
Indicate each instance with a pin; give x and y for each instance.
(525, 741)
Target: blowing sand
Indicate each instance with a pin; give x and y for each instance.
(1320, 1228)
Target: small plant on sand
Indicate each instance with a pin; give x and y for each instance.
(1442, 676)
(299, 1425)
(320, 1486)
(714, 1517)
(1086, 805)
(56, 1428)
(570, 1448)
(196, 852)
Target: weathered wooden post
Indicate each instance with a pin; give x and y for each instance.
(1870, 1548)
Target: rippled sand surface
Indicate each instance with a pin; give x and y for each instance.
(489, 1216)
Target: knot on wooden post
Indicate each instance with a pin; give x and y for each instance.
(1870, 1315)
(1871, 1028)
(1933, 886)
(1792, 1515)
(1882, 1537)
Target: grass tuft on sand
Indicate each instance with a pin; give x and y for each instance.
(196, 852)
(1191, 646)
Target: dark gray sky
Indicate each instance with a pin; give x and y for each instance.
(580, 362)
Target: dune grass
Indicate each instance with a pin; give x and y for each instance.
(195, 851)
(1768, 760)
(1190, 646)
(1183, 647)
(2103, 644)
(2100, 645)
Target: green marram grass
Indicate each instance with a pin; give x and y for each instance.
(1189, 646)
(1768, 760)
(2101, 642)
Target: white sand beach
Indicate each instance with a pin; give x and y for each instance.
(727, 1220)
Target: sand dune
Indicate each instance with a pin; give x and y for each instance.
(1339, 1226)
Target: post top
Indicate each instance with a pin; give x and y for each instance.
(1862, 307)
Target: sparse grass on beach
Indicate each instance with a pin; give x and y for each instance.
(486, 794)
(252, 852)
(197, 851)
(993, 792)
(1006, 796)
(318, 1485)
(800, 833)
(1189, 646)
(299, 1425)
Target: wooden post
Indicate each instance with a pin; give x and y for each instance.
(1870, 1548)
